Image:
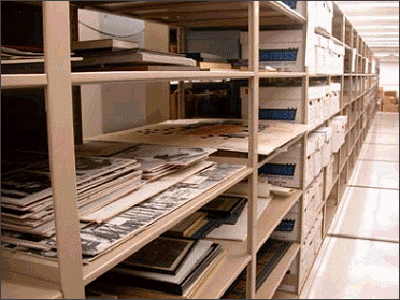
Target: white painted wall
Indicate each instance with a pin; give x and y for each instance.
(389, 76)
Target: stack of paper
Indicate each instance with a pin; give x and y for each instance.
(27, 195)
(159, 160)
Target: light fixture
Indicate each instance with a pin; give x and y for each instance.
(373, 18)
(378, 27)
(379, 34)
(380, 39)
(367, 4)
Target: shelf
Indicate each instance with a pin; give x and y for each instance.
(330, 213)
(10, 81)
(198, 14)
(334, 181)
(284, 295)
(328, 118)
(325, 75)
(220, 280)
(47, 269)
(19, 286)
(281, 149)
(273, 215)
(265, 74)
(109, 260)
(79, 78)
(268, 288)
(213, 286)
(190, 15)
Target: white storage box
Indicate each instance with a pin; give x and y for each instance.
(242, 188)
(285, 103)
(322, 54)
(338, 125)
(290, 221)
(317, 162)
(312, 144)
(297, 6)
(327, 101)
(279, 49)
(335, 97)
(326, 134)
(290, 162)
(321, 14)
(329, 176)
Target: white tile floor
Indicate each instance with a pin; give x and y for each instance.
(360, 257)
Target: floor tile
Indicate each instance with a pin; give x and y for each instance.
(384, 128)
(383, 138)
(369, 213)
(380, 152)
(386, 119)
(376, 174)
(357, 269)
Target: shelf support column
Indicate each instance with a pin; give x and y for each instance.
(254, 28)
(56, 35)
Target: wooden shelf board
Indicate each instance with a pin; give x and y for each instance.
(265, 74)
(199, 14)
(223, 276)
(284, 295)
(330, 213)
(268, 288)
(334, 181)
(291, 141)
(10, 81)
(20, 286)
(273, 215)
(109, 260)
(47, 269)
(79, 78)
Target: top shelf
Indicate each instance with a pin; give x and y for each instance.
(198, 14)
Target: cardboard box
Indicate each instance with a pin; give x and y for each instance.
(389, 100)
(285, 169)
(292, 235)
(325, 133)
(335, 89)
(321, 14)
(279, 49)
(338, 125)
(391, 94)
(309, 249)
(329, 176)
(285, 103)
(297, 6)
(390, 108)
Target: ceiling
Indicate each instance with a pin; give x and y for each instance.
(378, 24)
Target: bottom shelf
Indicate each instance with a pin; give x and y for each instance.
(284, 295)
(268, 288)
(19, 286)
(212, 286)
(330, 214)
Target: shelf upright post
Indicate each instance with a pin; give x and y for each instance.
(304, 103)
(253, 25)
(181, 45)
(56, 34)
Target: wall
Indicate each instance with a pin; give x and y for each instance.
(119, 106)
(389, 76)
